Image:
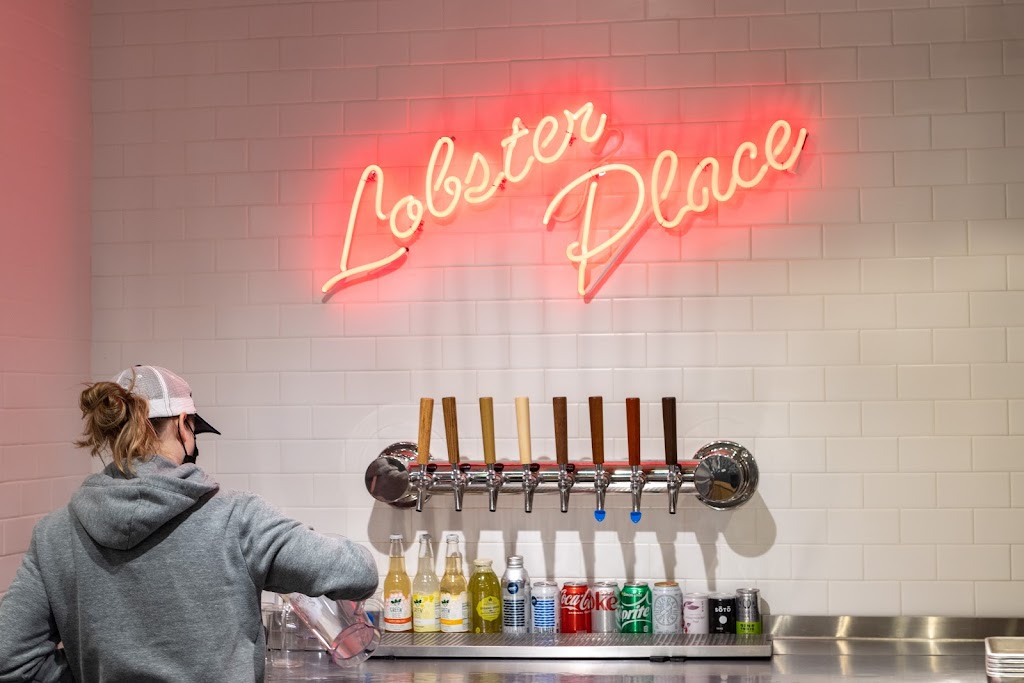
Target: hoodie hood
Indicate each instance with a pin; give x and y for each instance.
(120, 512)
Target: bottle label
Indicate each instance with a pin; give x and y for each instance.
(424, 612)
(748, 627)
(454, 612)
(397, 612)
(489, 608)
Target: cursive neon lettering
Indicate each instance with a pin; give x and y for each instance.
(444, 191)
(452, 185)
(509, 145)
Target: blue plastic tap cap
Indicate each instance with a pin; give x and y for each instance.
(599, 515)
(634, 517)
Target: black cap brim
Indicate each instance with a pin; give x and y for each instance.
(201, 426)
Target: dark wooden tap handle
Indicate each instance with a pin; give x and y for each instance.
(597, 429)
(633, 430)
(451, 428)
(561, 430)
(668, 416)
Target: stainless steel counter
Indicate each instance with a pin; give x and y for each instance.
(806, 650)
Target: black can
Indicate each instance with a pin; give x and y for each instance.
(722, 613)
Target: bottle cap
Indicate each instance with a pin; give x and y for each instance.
(482, 563)
(514, 560)
(395, 537)
(452, 537)
(425, 536)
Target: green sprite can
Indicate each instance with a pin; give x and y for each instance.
(635, 609)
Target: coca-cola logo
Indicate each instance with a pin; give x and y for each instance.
(606, 601)
(577, 602)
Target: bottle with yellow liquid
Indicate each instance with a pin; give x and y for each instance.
(485, 598)
(426, 591)
(397, 590)
(454, 591)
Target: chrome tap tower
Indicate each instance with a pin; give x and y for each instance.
(721, 474)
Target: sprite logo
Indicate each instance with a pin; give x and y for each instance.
(634, 609)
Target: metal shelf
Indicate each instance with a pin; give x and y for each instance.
(573, 646)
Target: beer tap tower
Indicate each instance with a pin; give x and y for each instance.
(721, 474)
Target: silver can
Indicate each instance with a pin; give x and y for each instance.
(748, 611)
(695, 613)
(515, 597)
(668, 607)
(544, 607)
(605, 615)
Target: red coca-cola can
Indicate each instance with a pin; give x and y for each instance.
(576, 603)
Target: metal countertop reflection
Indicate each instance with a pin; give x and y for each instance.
(805, 650)
(780, 669)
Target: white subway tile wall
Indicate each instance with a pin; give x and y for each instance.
(857, 323)
(45, 326)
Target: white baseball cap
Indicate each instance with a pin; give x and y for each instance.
(168, 394)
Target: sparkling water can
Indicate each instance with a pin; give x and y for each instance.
(576, 604)
(748, 611)
(695, 613)
(668, 607)
(722, 612)
(605, 615)
(635, 608)
(544, 607)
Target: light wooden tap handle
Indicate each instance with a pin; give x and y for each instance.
(523, 429)
(633, 430)
(426, 421)
(451, 429)
(487, 427)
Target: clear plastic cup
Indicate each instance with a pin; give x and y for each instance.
(341, 626)
(284, 637)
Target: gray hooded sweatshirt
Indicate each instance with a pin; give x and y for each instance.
(158, 577)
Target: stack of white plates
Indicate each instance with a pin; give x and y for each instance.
(1004, 657)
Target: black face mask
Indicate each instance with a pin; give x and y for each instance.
(195, 447)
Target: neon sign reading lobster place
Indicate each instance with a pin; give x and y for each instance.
(548, 143)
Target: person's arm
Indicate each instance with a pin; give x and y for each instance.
(28, 633)
(285, 557)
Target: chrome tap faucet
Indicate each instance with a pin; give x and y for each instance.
(601, 478)
(530, 478)
(494, 477)
(423, 451)
(566, 472)
(451, 430)
(674, 477)
(637, 478)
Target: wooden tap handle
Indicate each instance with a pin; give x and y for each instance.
(426, 421)
(561, 430)
(487, 427)
(451, 428)
(597, 429)
(633, 430)
(668, 416)
(523, 429)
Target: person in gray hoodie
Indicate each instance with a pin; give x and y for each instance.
(152, 572)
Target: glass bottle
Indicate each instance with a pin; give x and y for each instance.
(485, 598)
(397, 590)
(426, 591)
(454, 593)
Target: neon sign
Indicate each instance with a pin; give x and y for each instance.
(443, 191)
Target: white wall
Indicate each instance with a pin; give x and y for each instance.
(857, 324)
(44, 262)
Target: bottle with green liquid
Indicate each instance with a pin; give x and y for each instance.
(485, 598)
